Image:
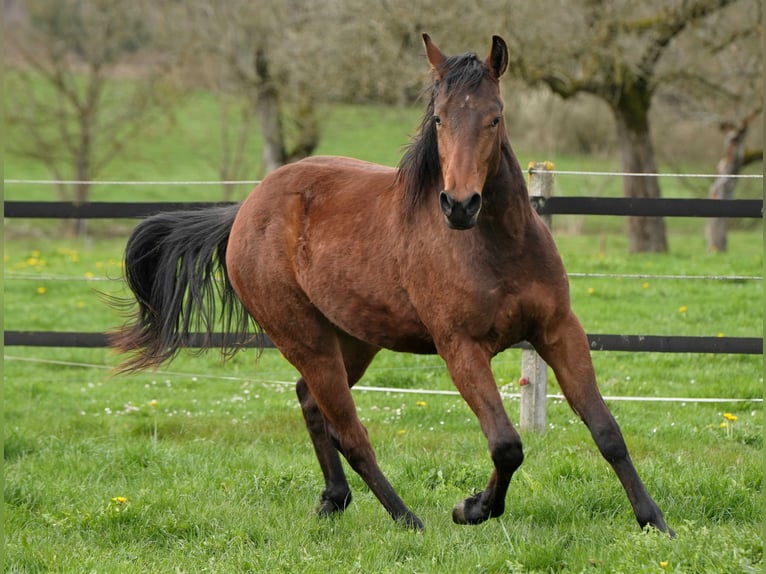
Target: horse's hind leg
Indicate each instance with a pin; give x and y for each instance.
(312, 345)
(565, 349)
(337, 493)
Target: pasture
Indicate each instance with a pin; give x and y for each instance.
(206, 467)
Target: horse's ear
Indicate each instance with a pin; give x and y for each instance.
(497, 61)
(435, 56)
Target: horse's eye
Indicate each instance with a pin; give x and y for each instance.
(437, 120)
(495, 122)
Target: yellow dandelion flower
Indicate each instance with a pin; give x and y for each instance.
(682, 309)
(730, 417)
(664, 564)
(591, 290)
(720, 335)
(724, 425)
(420, 403)
(153, 403)
(32, 261)
(89, 275)
(401, 431)
(121, 500)
(645, 285)
(40, 290)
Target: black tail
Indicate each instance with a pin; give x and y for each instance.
(175, 264)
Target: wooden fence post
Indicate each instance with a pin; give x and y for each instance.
(534, 371)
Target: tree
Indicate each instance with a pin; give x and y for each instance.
(65, 93)
(735, 157)
(619, 51)
(377, 55)
(258, 52)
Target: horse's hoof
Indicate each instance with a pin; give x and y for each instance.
(325, 509)
(332, 505)
(411, 521)
(661, 526)
(458, 513)
(468, 511)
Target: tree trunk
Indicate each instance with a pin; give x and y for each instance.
(83, 171)
(276, 151)
(82, 193)
(723, 187)
(645, 234)
(267, 109)
(307, 128)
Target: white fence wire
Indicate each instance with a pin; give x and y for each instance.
(376, 389)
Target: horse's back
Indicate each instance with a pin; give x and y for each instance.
(343, 163)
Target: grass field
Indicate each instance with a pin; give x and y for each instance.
(206, 467)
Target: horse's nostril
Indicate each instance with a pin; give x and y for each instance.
(472, 205)
(460, 214)
(446, 202)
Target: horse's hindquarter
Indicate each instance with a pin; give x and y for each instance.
(329, 228)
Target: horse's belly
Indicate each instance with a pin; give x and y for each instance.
(382, 319)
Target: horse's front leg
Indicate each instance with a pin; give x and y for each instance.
(564, 347)
(469, 366)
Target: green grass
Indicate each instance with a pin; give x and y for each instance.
(229, 480)
(219, 476)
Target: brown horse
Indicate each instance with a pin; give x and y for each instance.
(336, 258)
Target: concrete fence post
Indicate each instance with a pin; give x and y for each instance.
(534, 371)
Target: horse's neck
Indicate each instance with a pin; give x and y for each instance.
(508, 200)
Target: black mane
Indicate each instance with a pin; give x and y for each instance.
(419, 168)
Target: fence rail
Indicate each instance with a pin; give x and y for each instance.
(648, 207)
(598, 342)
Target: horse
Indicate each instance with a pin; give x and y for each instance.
(335, 259)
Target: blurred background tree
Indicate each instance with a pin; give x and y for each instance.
(643, 81)
(627, 53)
(257, 52)
(92, 57)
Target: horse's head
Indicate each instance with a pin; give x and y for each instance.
(467, 119)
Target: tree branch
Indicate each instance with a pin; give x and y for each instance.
(666, 25)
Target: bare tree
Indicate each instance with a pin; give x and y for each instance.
(237, 123)
(618, 51)
(258, 51)
(735, 157)
(64, 92)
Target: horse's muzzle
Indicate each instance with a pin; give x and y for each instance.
(460, 214)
